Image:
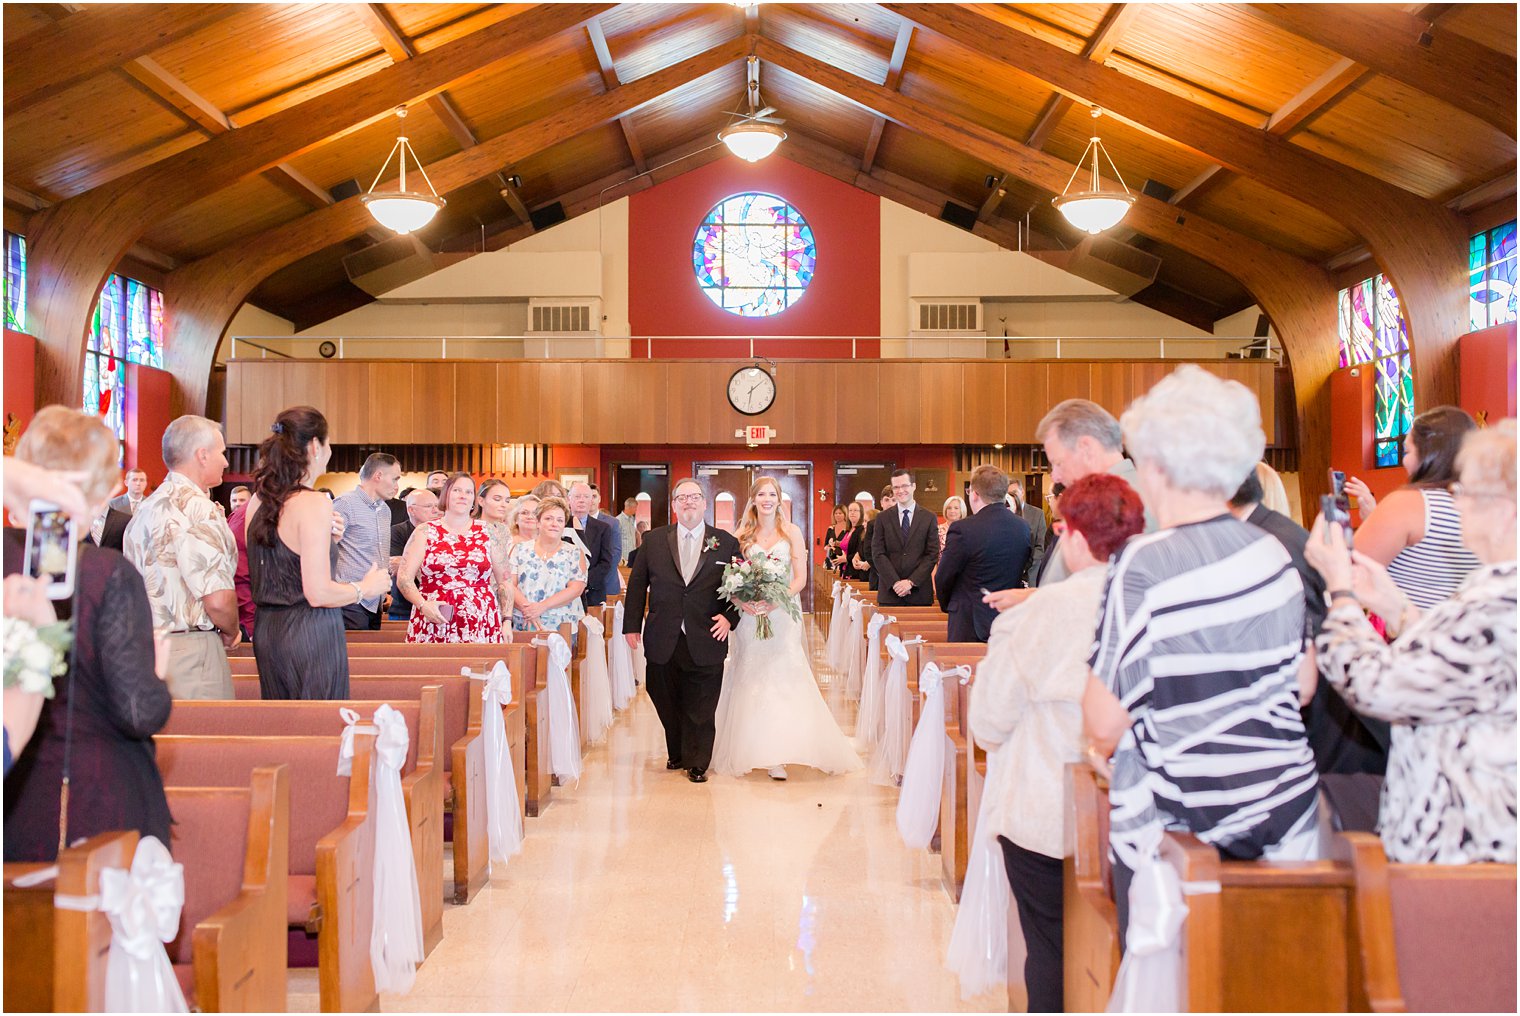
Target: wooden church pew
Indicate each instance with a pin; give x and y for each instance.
(1090, 930)
(422, 780)
(961, 795)
(55, 960)
(234, 845)
(1432, 937)
(332, 842)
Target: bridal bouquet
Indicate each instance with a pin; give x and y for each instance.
(760, 577)
(34, 656)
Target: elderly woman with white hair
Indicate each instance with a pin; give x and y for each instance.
(1447, 684)
(1201, 629)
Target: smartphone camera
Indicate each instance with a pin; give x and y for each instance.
(1336, 512)
(52, 544)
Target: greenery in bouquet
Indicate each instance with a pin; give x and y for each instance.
(34, 656)
(759, 577)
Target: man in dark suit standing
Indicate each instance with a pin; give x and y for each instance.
(421, 506)
(905, 548)
(109, 529)
(678, 571)
(596, 534)
(990, 550)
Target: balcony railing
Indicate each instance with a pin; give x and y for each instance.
(499, 347)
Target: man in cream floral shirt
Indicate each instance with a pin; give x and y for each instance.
(182, 546)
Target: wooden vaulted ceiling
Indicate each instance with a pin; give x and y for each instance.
(923, 104)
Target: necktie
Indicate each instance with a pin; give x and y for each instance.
(907, 521)
(688, 555)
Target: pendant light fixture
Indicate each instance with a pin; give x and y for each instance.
(402, 210)
(1093, 210)
(756, 133)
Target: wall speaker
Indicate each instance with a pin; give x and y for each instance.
(543, 218)
(959, 215)
(1157, 190)
(347, 189)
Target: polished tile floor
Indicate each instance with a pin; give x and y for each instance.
(640, 891)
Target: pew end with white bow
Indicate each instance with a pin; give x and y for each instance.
(55, 959)
(539, 706)
(332, 842)
(503, 805)
(924, 778)
(595, 695)
(234, 844)
(559, 724)
(619, 657)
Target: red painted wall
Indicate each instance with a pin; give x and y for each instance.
(843, 299)
(1486, 363)
(148, 414)
(20, 383)
(825, 459)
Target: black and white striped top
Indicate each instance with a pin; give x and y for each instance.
(1433, 569)
(1200, 636)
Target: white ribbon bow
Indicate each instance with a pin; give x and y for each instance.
(877, 623)
(593, 626)
(620, 662)
(395, 946)
(351, 726)
(596, 687)
(504, 820)
(564, 728)
(143, 904)
(896, 648)
(887, 765)
(924, 771)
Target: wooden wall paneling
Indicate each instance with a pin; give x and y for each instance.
(1143, 377)
(252, 388)
(439, 398)
(858, 408)
(342, 392)
(898, 401)
(984, 388)
(394, 387)
(942, 403)
(807, 400)
(478, 400)
(520, 408)
(1112, 386)
(206, 293)
(73, 245)
(697, 404)
(623, 401)
(1027, 394)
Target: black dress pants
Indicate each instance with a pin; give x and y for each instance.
(357, 618)
(685, 695)
(1036, 881)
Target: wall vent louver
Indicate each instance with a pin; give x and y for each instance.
(941, 317)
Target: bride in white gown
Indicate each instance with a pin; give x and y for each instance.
(770, 712)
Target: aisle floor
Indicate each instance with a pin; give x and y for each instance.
(638, 890)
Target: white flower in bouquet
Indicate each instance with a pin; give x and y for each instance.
(760, 578)
(34, 656)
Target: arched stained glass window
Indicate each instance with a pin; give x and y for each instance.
(754, 255)
(1491, 279)
(1373, 331)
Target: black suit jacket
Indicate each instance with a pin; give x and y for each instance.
(987, 551)
(401, 607)
(115, 528)
(597, 536)
(656, 578)
(912, 558)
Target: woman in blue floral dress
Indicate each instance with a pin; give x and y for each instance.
(549, 575)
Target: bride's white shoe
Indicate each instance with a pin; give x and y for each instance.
(778, 772)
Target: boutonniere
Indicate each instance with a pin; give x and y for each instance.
(711, 544)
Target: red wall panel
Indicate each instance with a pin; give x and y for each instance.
(844, 298)
(1486, 363)
(20, 383)
(148, 416)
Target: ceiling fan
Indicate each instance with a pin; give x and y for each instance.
(755, 134)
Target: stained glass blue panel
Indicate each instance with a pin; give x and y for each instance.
(754, 255)
(15, 282)
(1392, 332)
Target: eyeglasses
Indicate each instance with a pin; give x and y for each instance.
(1458, 490)
(688, 499)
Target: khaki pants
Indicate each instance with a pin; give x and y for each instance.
(197, 667)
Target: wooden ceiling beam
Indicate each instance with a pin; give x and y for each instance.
(206, 293)
(894, 82)
(76, 242)
(1105, 39)
(96, 39)
(1421, 245)
(1297, 296)
(610, 80)
(1404, 46)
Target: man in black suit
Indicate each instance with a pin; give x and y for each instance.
(905, 548)
(990, 550)
(113, 525)
(421, 506)
(596, 534)
(678, 570)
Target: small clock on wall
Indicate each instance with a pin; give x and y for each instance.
(752, 390)
(328, 350)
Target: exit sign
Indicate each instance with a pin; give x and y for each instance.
(758, 433)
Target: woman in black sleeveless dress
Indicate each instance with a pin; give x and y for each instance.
(298, 630)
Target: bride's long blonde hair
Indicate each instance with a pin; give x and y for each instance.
(749, 525)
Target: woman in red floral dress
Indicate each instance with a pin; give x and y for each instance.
(450, 574)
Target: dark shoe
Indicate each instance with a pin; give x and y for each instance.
(697, 775)
(673, 764)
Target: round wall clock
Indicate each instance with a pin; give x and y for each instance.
(328, 350)
(751, 390)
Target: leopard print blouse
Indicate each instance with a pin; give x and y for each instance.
(1448, 687)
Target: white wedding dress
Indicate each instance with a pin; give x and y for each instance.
(770, 712)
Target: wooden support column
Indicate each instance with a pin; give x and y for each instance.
(201, 297)
(74, 245)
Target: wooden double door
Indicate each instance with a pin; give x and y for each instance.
(727, 486)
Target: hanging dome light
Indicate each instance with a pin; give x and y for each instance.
(401, 210)
(752, 141)
(1093, 210)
